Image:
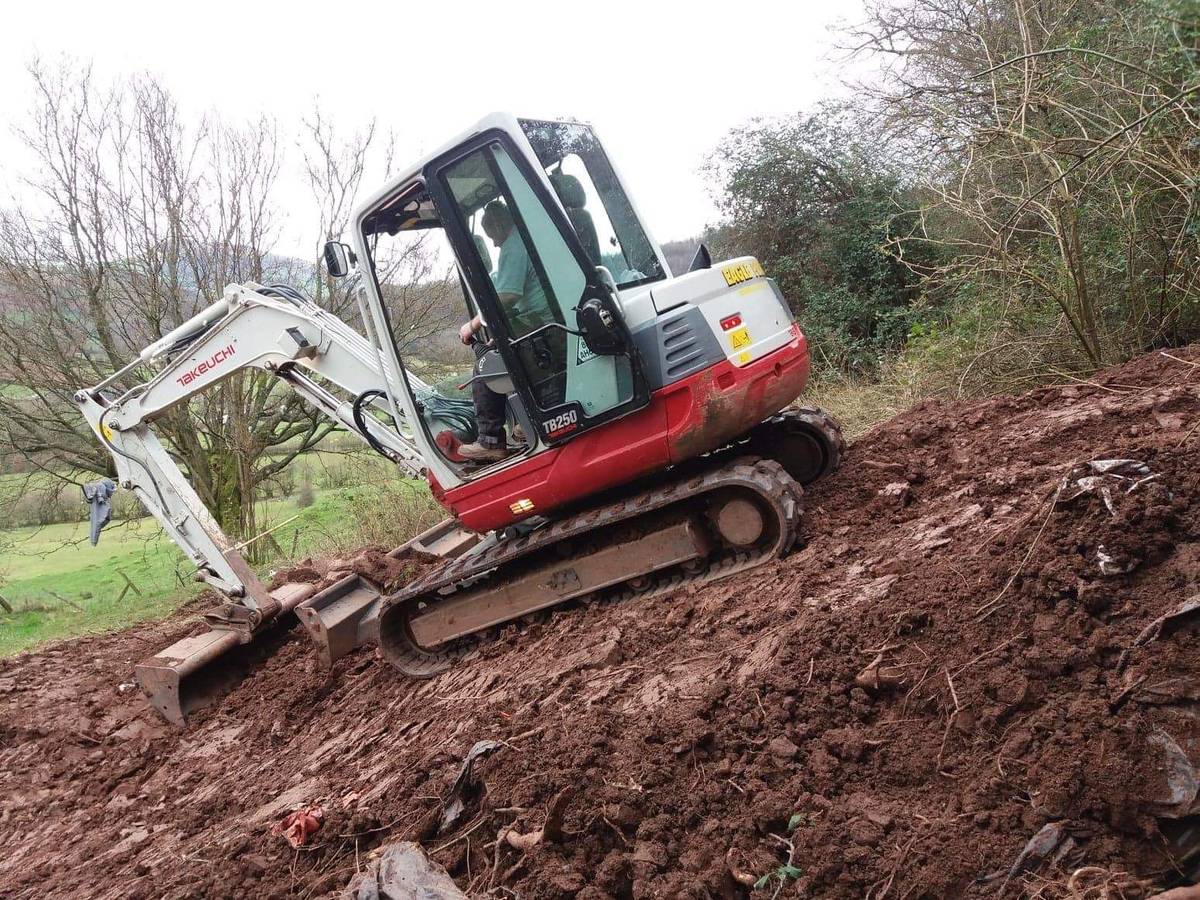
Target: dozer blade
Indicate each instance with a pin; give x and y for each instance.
(341, 617)
(345, 615)
(195, 671)
(447, 539)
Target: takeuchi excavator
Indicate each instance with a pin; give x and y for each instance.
(652, 435)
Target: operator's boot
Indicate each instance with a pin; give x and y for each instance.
(476, 452)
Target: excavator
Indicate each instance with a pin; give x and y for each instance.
(650, 433)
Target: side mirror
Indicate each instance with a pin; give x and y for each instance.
(338, 259)
(599, 328)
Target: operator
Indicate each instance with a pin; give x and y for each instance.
(524, 302)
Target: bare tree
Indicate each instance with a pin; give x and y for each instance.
(415, 276)
(1058, 140)
(132, 220)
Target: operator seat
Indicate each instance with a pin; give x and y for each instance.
(573, 198)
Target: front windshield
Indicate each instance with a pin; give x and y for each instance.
(597, 206)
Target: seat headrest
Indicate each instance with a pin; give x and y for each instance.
(569, 190)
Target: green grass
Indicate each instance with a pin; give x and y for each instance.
(57, 558)
(37, 563)
(15, 391)
(859, 404)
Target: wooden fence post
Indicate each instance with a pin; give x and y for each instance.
(129, 586)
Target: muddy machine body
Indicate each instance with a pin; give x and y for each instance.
(650, 419)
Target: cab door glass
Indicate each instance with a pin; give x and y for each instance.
(538, 282)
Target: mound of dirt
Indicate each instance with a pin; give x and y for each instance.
(976, 678)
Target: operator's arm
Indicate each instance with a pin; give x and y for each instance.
(466, 333)
(509, 279)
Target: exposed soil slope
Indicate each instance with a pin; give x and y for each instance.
(941, 673)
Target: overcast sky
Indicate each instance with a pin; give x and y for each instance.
(661, 82)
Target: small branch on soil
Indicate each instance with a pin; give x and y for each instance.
(1094, 384)
(953, 692)
(879, 651)
(992, 605)
(887, 885)
(784, 842)
(883, 466)
(453, 841)
(1187, 436)
(1186, 362)
(950, 722)
(961, 576)
(527, 734)
(551, 832)
(908, 696)
(875, 678)
(407, 817)
(743, 878)
(615, 829)
(988, 653)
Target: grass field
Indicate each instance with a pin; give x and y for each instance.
(59, 585)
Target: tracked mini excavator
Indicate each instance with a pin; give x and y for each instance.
(650, 419)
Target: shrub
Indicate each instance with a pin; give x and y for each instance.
(820, 205)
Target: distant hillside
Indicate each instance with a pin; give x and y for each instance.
(679, 253)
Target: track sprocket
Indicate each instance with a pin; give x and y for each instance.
(806, 440)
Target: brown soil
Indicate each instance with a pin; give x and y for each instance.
(1008, 693)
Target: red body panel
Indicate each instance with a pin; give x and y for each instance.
(685, 419)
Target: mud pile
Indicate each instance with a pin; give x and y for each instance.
(978, 678)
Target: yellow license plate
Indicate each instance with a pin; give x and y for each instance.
(740, 338)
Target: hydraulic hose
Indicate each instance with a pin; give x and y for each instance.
(356, 411)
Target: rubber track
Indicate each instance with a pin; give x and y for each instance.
(767, 477)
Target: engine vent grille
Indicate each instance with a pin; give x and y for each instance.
(682, 349)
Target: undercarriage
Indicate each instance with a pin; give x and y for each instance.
(724, 514)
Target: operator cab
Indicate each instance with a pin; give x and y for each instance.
(543, 238)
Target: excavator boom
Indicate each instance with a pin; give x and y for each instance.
(280, 332)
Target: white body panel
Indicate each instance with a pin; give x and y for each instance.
(766, 319)
(639, 311)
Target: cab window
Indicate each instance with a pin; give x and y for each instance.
(599, 210)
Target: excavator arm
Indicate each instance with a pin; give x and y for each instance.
(278, 331)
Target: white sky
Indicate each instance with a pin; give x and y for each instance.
(661, 82)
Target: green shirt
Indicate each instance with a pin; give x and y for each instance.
(516, 275)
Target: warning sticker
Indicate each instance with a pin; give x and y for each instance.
(739, 338)
(583, 353)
